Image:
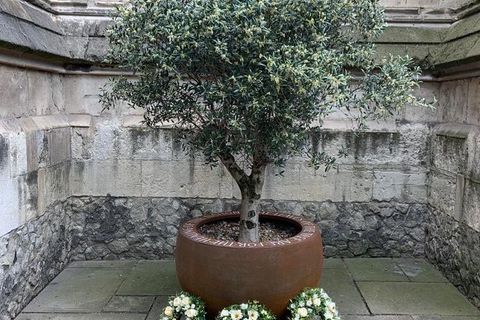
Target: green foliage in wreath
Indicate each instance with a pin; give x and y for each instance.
(184, 305)
(252, 310)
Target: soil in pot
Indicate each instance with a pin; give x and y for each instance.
(228, 230)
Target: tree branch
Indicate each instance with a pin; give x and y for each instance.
(237, 173)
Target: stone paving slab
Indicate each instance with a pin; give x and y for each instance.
(340, 286)
(386, 317)
(419, 270)
(134, 290)
(377, 269)
(423, 317)
(157, 308)
(129, 304)
(103, 264)
(80, 316)
(415, 298)
(333, 263)
(79, 290)
(151, 278)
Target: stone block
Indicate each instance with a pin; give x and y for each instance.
(147, 144)
(47, 147)
(81, 143)
(400, 186)
(428, 91)
(442, 193)
(449, 153)
(117, 178)
(471, 205)
(105, 140)
(209, 182)
(59, 149)
(290, 184)
(473, 101)
(9, 205)
(29, 197)
(53, 185)
(83, 92)
(473, 160)
(40, 97)
(166, 179)
(185, 179)
(13, 154)
(13, 86)
(37, 150)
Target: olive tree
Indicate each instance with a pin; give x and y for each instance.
(247, 81)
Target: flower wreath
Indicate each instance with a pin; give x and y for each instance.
(310, 303)
(252, 310)
(184, 305)
(313, 302)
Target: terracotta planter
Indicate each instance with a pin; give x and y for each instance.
(227, 272)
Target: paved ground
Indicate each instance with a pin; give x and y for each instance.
(364, 289)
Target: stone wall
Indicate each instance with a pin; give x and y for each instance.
(32, 255)
(453, 228)
(79, 183)
(146, 228)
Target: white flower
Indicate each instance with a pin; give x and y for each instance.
(236, 314)
(168, 311)
(165, 318)
(191, 313)
(177, 301)
(302, 312)
(244, 306)
(309, 303)
(331, 307)
(185, 301)
(328, 315)
(224, 313)
(252, 315)
(317, 301)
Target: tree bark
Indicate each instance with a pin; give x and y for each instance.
(249, 215)
(251, 189)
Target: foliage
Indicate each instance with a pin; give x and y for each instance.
(313, 302)
(310, 303)
(252, 310)
(184, 305)
(251, 79)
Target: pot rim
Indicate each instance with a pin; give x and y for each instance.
(190, 230)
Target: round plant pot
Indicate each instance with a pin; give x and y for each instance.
(222, 273)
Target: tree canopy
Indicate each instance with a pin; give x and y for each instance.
(253, 76)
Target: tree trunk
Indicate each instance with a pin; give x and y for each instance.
(249, 215)
(251, 188)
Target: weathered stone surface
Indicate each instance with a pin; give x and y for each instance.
(449, 153)
(31, 256)
(63, 293)
(454, 248)
(442, 191)
(340, 286)
(380, 269)
(146, 228)
(404, 297)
